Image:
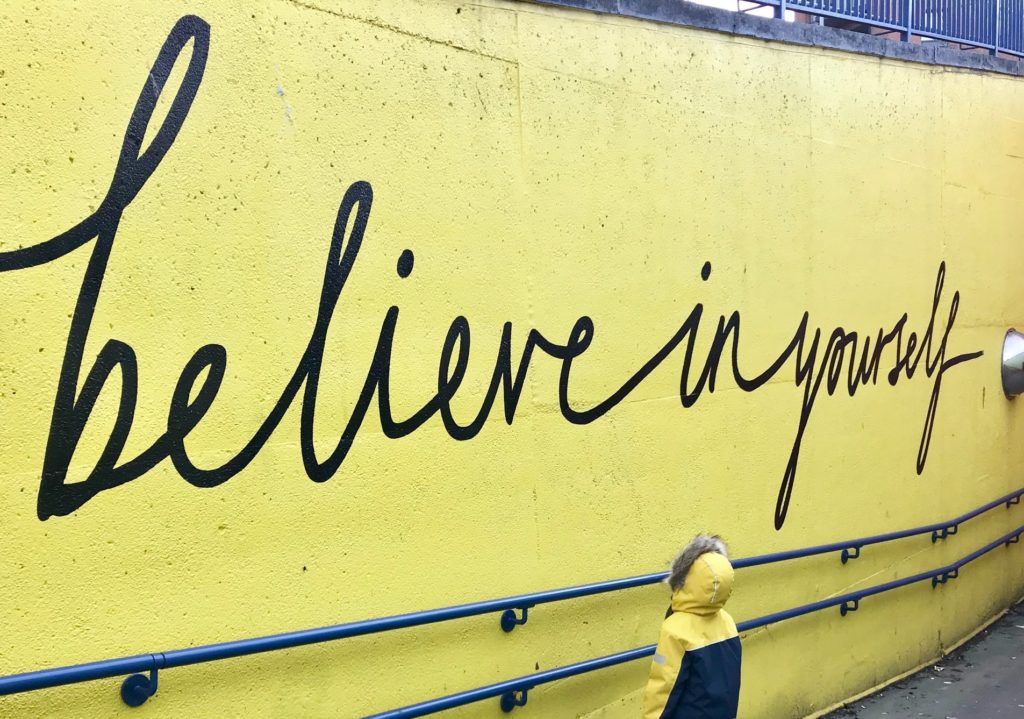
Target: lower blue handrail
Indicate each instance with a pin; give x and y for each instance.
(846, 602)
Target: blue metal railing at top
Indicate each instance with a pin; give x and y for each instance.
(995, 25)
(137, 688)
(514, 692)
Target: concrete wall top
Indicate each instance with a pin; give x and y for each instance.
(680, 12)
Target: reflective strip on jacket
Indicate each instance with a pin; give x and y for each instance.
(696, 669)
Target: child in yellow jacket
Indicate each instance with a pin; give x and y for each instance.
(696, 669)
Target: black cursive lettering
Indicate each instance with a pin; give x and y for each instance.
(835, 365)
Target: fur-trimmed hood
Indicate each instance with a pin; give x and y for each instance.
(701, 544)
(702, 576)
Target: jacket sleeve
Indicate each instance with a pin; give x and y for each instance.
(666, 673)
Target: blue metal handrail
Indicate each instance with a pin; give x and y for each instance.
(137, 688)
(514, 692)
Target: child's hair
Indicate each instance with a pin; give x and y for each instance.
(701, 544)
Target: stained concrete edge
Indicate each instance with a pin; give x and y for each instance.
(680, 12)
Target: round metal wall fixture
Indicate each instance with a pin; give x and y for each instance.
(1013, 363)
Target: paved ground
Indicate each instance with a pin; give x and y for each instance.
(983, 679)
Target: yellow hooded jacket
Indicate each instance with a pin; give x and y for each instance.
(696, 669)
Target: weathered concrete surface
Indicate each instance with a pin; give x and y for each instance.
(984, 679)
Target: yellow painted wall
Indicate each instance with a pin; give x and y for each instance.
(543, 166)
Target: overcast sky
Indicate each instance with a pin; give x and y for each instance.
(731, 5)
